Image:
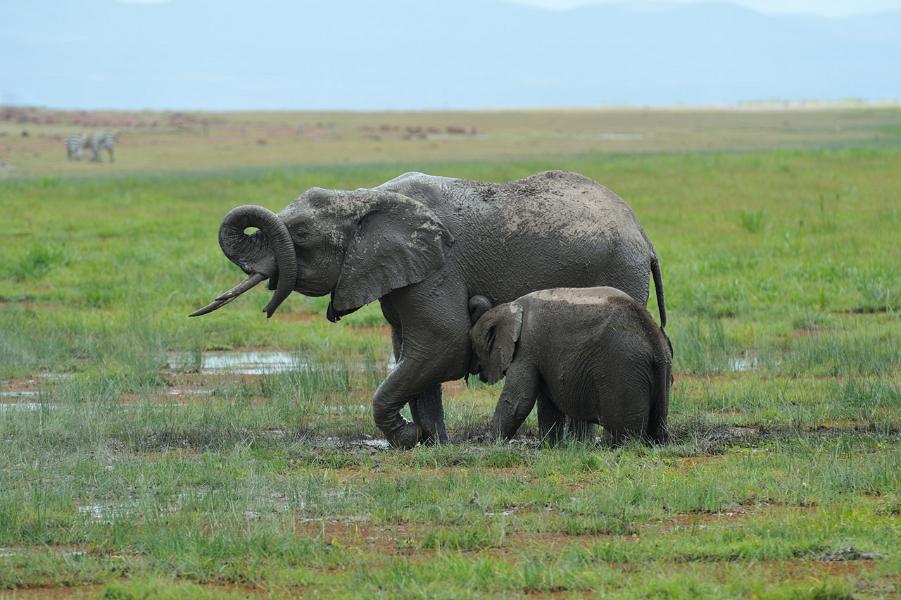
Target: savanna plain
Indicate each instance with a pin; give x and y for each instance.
(144, 454)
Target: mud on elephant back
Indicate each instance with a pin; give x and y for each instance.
(422, 245)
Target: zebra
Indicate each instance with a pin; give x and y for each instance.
(75, 145)
(99, 141)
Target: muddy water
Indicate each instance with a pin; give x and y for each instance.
(186, 391)
(23, 406)
(237, 363)
(250, 363)
(15, 394)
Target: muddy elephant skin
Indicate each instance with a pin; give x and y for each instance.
(592, 354)
(423, 245)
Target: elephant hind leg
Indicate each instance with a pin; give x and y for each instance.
(551, 422)
(580, 430)
(626, 409)
(618, 434)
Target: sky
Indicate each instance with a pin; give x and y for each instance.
(825, 8)
(438, 54)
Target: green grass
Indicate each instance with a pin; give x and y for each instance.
(781, 273)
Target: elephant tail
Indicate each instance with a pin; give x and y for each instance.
(658, 288)
(657, 417)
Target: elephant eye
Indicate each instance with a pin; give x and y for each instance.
(303, 240)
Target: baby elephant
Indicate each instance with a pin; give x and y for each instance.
(591, 354)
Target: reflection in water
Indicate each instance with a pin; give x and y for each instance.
(742, 363)
(238, 363)
(23, 406)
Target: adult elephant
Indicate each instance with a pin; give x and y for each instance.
(423, 245)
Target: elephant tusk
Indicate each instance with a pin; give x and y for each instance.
(226, 297)
(215, 304)
(242, 287)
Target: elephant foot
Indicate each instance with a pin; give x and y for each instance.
(429, 439)
(406, 436)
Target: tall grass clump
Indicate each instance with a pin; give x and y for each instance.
(700, 346)
(865, 352)
(37, 261)
(752, 221)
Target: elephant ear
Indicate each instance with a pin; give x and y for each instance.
(503, 333)
(397, 242)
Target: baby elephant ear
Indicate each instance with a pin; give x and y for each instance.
(397, 242)
(504, 333)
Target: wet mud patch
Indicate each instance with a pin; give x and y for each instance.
(10, 387)
(869, 310)
(849, 553)
(16, 299)
(393, 539)
(21, 395)
(88, 591)
(703, 519)
(796, 568)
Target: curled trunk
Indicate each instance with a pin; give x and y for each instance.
(264, 254)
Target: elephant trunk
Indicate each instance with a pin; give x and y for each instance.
(266, 253)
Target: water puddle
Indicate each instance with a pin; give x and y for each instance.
(107, 512)
(340, 409)
(380, 444)
(742, 363)
(374, 444)
(23, 406)
(189, 392)
(20, 394)
(253, 363)
(237, 363)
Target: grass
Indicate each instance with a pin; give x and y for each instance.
(122, 476)
(153, 143)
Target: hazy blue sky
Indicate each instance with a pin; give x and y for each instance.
(443, 54)
(830, 8)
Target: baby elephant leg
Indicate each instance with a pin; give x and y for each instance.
(516, 401)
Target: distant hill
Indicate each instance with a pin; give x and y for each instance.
(402, 54)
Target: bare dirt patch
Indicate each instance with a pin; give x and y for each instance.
(89, 591)
(290, 317)
(388, 539)
(803, 569)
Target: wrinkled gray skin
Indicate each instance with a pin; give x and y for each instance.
(592, 354)
(423, 245)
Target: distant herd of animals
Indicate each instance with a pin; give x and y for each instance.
(95, 143)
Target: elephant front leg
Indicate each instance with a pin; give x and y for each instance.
(408, 380)
(428, 412)
(426, 406)
(516, 401)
